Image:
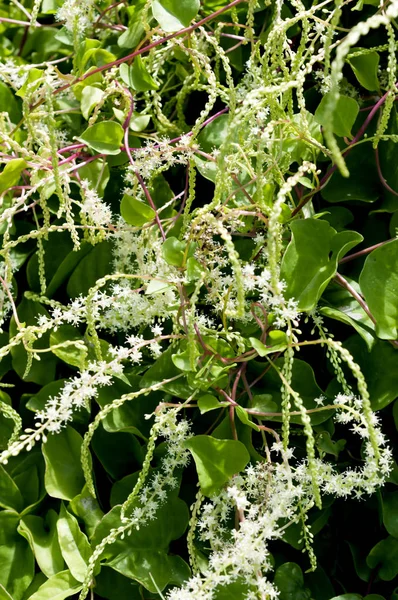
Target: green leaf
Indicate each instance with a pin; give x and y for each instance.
(294, 145)
(143, 555)
(74, 352)
(329, 446)
(39, 400)
(97, 173)
(131, 415)
(164, 368)
(105, 137)
(173, 15)
(209, 402)
(138, 121)
(130, 38)
(244, 418)
(28, 473)
(10, 496)
(59, 586)
(9, 103)
(11, 173)
(64, 475)
(4, 595)
(194, 269)
(120, 453)
(91, 96)
(303, 382)
(74, 545)
(87, 509)
(379, 285)
(32, 82)
(365, 67)
(137, 76)
(363, 183)
(387, 149)
(135, 212)
(92, 267)
(173, 251)
(264, 403)
(390, 513)
(16, 558)
(216, 461)
(112, 585)
(344, 116)
(214, 134)
(384, 556)
(43, 539)
(316, 262)
(56, 249)
(343, 307)
(379, 367)
(276, 342)
(347, 597)
(43, 370)
(289, 580)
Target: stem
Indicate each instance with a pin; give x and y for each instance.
(129, 57)
(344, 284)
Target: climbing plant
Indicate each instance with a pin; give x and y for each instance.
(198, 291)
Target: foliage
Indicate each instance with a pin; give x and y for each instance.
(198, 362)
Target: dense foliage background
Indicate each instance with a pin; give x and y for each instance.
(199, 283)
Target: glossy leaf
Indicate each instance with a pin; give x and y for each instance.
(173, 251)
(59, 586)
(11, 173)
(363, 183)
(276, 342)
(231, 458)
(73, 350)
(379, 367)
(289, 580)
(42, 371)
(365, 67)
(379, 285)
(135, 212)
(74, 545)
(43, 539)
(214, 134)
(91, 96)
(92, 267)
(316, 262)
(390, 513)
(173, 15)
(104, 137)
(303, 382)
(384, 557)
(143, 555)
(344, 116)
(87, 509)
(10, 496)
(137, 76)
(130, 38)
(208, 402)
(16, 558)
(112, 585)
(64, 475)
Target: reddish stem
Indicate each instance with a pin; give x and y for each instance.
(159, 42)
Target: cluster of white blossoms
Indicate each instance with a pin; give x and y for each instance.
(152, 489)
(93, 207)
(269, 497)
(155, 492)
(77, 15)
(267, 500)
(157, 156)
